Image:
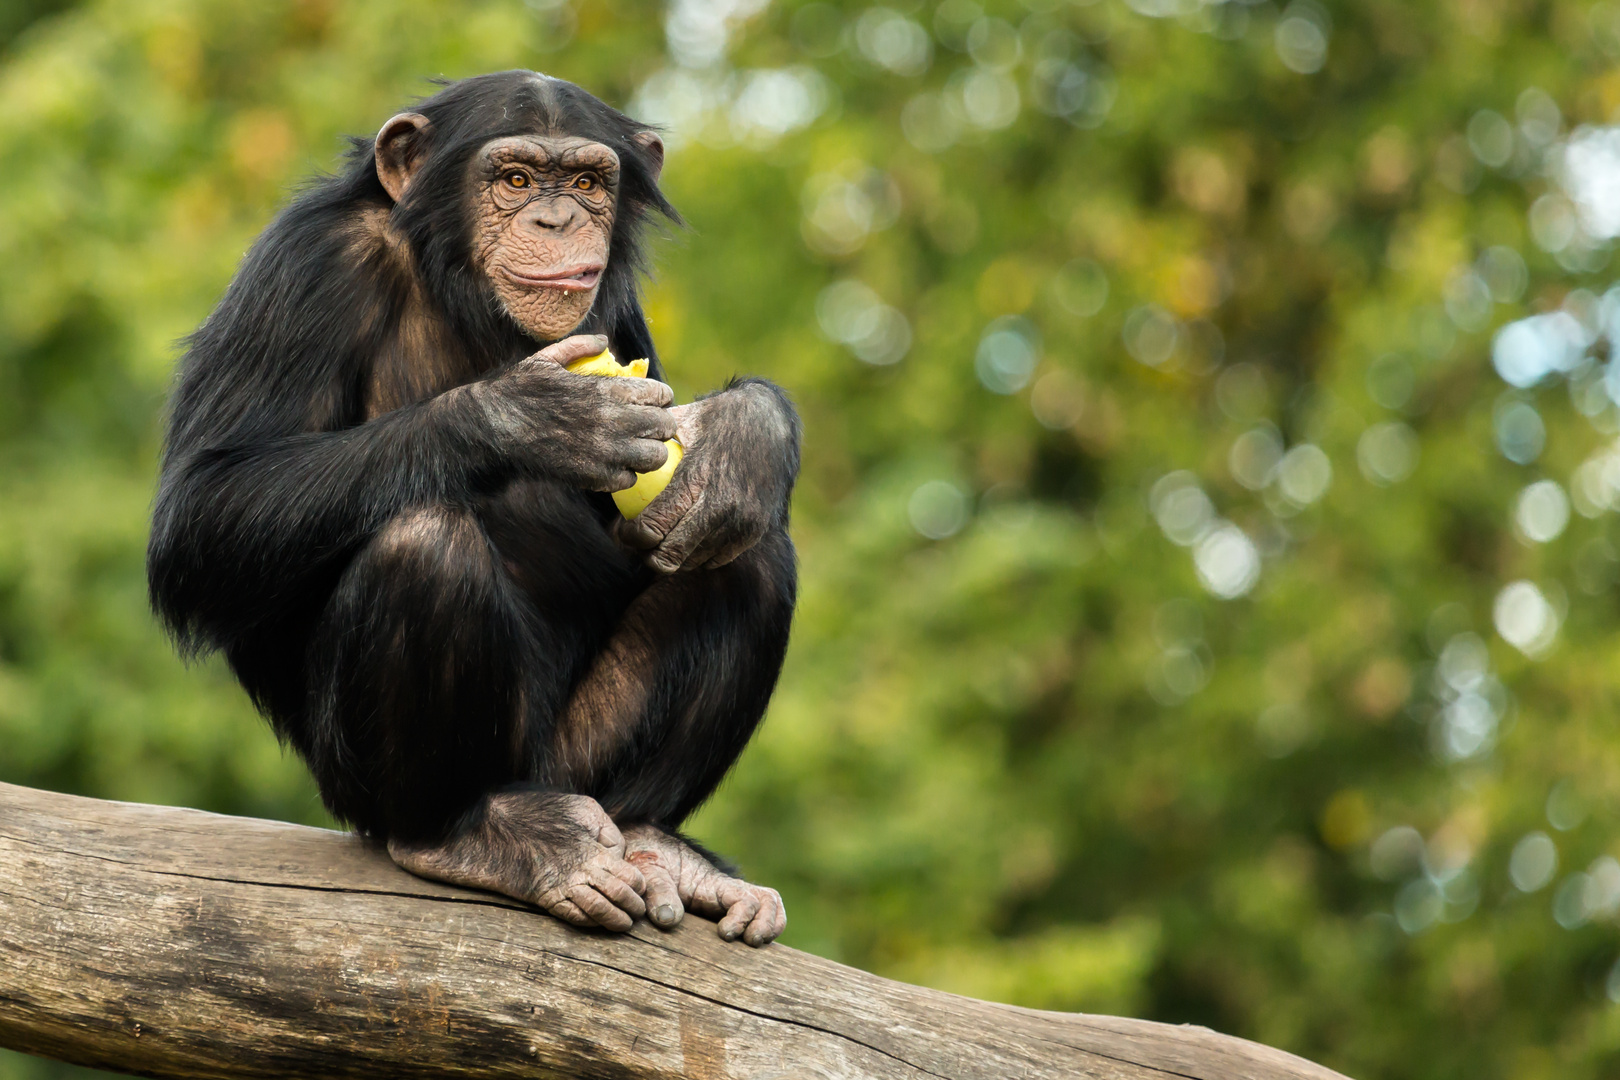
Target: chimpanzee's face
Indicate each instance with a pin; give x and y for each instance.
(543, 224)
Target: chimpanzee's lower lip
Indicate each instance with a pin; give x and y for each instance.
(575, 280)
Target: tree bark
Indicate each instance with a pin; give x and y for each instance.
(176, 943)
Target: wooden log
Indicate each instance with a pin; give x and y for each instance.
(176, 943)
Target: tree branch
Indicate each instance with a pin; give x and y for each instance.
(182, 944)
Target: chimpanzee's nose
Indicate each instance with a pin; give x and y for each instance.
(557, 214)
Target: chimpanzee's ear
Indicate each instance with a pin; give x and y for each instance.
(654, 146)
(401, 147)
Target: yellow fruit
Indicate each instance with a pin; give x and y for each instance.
(648, 486)
(605, 363)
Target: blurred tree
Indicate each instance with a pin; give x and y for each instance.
(17, 16)
(1208, 515)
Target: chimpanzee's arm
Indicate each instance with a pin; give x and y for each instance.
(242, 529)
(271, 483)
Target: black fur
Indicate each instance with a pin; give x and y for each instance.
(409, 608)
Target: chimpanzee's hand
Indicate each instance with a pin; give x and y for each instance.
(591, 432)
(741, 458)
(559, 852)
(680, 880)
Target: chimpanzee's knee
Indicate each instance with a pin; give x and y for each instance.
(417, 676)
(433, 552)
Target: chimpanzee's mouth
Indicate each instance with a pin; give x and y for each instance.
(574, 279)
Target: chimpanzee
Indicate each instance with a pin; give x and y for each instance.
(385, 500)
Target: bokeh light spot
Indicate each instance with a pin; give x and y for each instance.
(1301, 37)
(1565, 807)
(1520, 434)
(892, 41)
(1589, 170)
(986, 98)
(1418, 905)
(1254, 457)
(1490, 137)
(1304, 474)
(1227, 561)
(1181, 508)
(1552, 222)
(1541, 511)
(1007, 355)
(852, 315)
(1527, 351)
(1151, 334)
(1081, 287)
(937, 509)
(1504, 273)
(1387, 453)
(1533, 862)
(1602, 899)
(1525, 618)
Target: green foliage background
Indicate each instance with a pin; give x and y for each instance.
(1034, 759)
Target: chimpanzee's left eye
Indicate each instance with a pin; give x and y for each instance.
(585, 182)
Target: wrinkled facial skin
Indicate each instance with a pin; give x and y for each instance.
(543, 225)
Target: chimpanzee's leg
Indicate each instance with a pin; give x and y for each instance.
(675, 694)
(427, 666)
(665, 710)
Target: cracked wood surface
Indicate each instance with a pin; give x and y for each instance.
(176, 943)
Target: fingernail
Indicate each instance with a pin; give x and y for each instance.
(665, 914)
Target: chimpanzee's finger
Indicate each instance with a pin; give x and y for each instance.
(644, 422)
(602, 911)
(768, 924)
(676, 549)
(616, 889)
(640, 455)
(568, 911)
(664, 906)
(613, 479)
(675, 524)
(699, 538)
(632, 532)
(569, 349)
(739, 915)
(605, 864)
(661, 515)
(639, 392)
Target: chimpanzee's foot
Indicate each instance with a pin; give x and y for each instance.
(558, 852)
(680, 880)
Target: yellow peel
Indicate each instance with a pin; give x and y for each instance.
(648, 486)
(605, 363)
